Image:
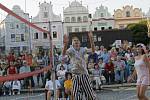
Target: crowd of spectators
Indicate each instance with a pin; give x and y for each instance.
(105, 66)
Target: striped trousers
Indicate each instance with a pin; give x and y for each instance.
(82, 84)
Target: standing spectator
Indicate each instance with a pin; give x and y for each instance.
(62, 64)
(119, 69)
(105, 56)
(10, 58)
(25, 69)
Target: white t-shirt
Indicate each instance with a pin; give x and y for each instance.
(49, 85)
(16, 85)
(61, 73)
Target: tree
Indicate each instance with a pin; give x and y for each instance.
(139, 31)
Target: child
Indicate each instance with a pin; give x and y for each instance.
(68, 84)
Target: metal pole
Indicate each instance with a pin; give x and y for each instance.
(52, 61)
(30, 19)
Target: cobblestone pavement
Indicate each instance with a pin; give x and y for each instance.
(114, 94)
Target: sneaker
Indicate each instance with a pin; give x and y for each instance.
(9, 93)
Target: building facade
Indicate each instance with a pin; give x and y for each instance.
(75, 18)
(102, 19)
(14, 34)
(47, 20)
(127, 15)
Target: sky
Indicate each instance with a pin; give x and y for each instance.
(32, 6)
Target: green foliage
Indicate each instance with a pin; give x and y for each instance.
(139, 32)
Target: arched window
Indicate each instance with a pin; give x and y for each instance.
(73, 19)
(128, 14)
(85, 18)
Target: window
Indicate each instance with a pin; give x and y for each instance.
(22, 26)
(95, 28)
(12, 25)
(17, 38)
(84, 38)
(128, 14)
(94, 38)
(79, 19)
(36, 36)
(83, 29)
(12, 37)
(102, 14)
(102, 28)
(45, 15)
(54, 34)
(22, 37)
(69, 29)
(85, 19)
(76, 29)
(54, 26)
(67, 19)
(73, 19)
(45, 35)
(110, 27)
(17, 26)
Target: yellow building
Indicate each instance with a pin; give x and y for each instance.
(126, 16)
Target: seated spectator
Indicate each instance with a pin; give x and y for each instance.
(16, 87)
(11, 69)
(68, 85)
(90, 66)
(109, 72)
(50, 89)
(96, 74)
(1, 70)
(7, 88)
(61, 75)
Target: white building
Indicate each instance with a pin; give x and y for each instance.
(102, 19)
(14, 34)
(47, 20)
(75, 18)
(148, 13)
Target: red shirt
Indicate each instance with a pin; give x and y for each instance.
(109, 67)
(12, 70)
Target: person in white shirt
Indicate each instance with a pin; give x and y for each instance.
(7, 87)
(50, 89)
(61, 75)
(16, 86)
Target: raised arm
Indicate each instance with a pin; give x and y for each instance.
(65, 42)
(90, 34)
